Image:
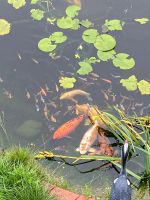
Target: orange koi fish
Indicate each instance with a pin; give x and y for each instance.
(42, 92)
(68, 127)
(88, 139)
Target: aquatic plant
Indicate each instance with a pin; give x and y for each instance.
(4, 27)
(17, 3)
(67, 82)
(37, 14)
(142, 20)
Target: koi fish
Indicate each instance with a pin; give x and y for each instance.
(76, 2)
(71, 94)
(88, 139)
(68, 127)
(42, 92)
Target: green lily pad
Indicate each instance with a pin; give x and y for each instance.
(106, 55)
(72, 11)
(86, 23)
(90, 35)
(85, 69)
(142, 20)
(65, 22)
(144, 87)
(114, 24)
(17, 3)
(130, 83)
(4, 27)
(58, 37)
(67, 82)
(105, 42)
(76, 24)
(123, 62)
(34, 1)
(46, 45)
(93, 60)
(37, 14)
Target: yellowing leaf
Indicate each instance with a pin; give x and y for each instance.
(142, 20)
(37, 14)
(67, 82)
(17, 3)
(4, 27)
(144, 87)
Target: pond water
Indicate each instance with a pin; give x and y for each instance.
(24, 70)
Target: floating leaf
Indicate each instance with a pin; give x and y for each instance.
(86, 23)
(4, 27)
(90, 35)
(17, 3)
(123, 62)
(67, 82)
(144, 87)
(76, 24)
(93, 60)
(72, 11)
(65, 22)
(114, 24)
(85, 69)
(37, 14)
(142, 20)
(105, 42)
(58, 37)
(130, 83)
(34, 1)
(106, 55)
(46, 45)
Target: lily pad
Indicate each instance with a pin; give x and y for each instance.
(34, 1)
(76, 24)
(46, 45)
(58, 37)
(85, 69)
(130, 83)
(65, 22)
(37, 14)
(122, 61)
(86, 23)
(106, 55)
(4, 27)
(90, 35)
(142, 20)
(72, 11)
(144, 87)
(17, 3)
(93, 60)
(105, 42)
(67, 82)
(114, 24)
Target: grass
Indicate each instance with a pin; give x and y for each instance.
(21, 178)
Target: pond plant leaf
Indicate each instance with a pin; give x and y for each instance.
(17, 3)
(76, 24)
(34, 1)
(129, 83)
(4, 27)
(122, 61)
(106, 55)
(67, 82)
(46, 45)
(93, 60)
(85, 68)
(114, 24)
(58, 37)
(37, 14)
(86, 23)
(90, 35)
(105, 42)
(142, 20)
(72, 11)
(144, 87)
(66, 22)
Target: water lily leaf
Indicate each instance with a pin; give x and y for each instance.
(85, 69)
(72, 11)
(34, 1)
(17, 3)
(130, 83)
(58, 37)
(144, 87)
(86, 23)
(142, 20)
(114, 24)
(123, 62)
(45, 45)
(37, 14)
(67, 82)
(65, 22)
(105, 42)
(93, 60)
(106, 55)
(76, 24)
(4, 27)
(90, 35)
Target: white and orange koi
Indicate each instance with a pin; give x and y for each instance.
(88, 139)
